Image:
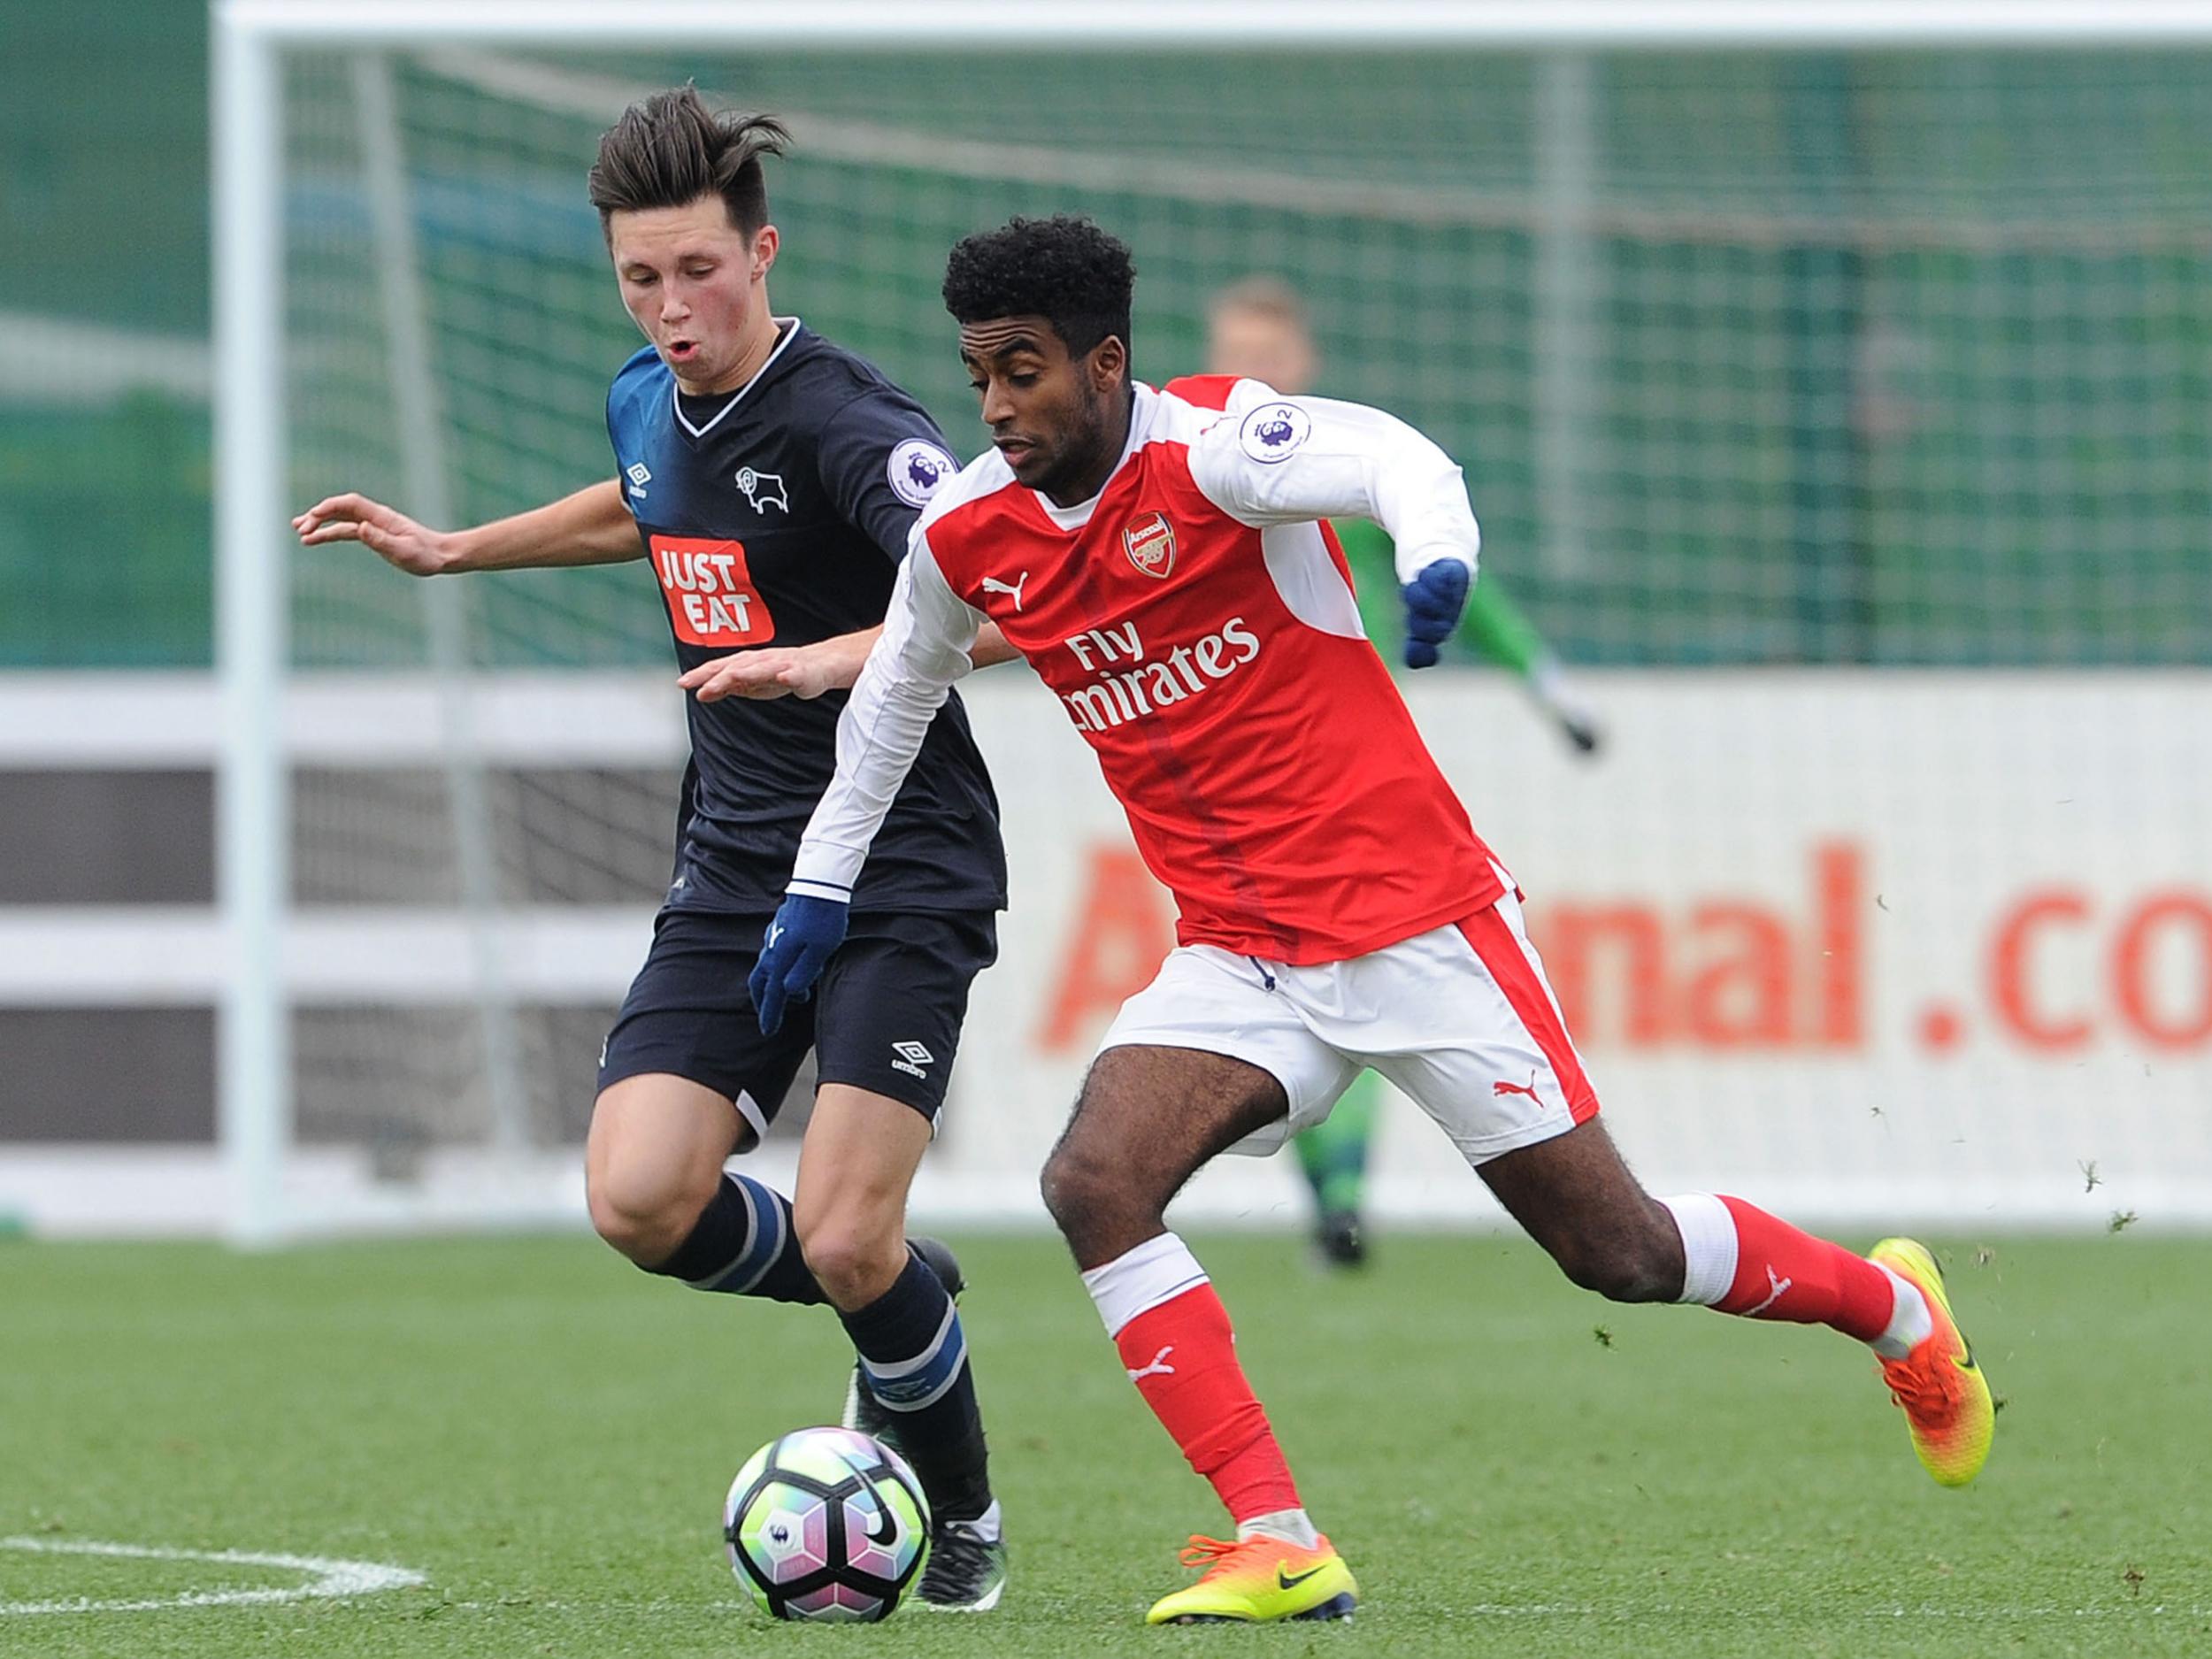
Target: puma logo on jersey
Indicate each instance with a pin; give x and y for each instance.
(764, 490)
(1159, 1367)
(991, 585)
(1515, 1088)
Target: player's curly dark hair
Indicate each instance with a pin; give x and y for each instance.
(1063, 269)
(671, 150)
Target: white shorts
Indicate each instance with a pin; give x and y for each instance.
(1460, 1018)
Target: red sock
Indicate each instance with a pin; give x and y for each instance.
(1782, 1273)
(1182, 1356)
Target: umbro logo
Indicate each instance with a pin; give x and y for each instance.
(640, 476)
(913, 1059)
(764, 490)
(991, 585)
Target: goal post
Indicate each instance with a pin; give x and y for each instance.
(253, 882)
(1801, 356)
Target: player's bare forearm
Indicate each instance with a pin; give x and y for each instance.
(808, 670)
(990, 648)
(592, 527)
(787, 671)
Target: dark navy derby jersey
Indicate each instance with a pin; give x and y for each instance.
(777, 515)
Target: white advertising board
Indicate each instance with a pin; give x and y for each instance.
(1866, 946)
(1861, 945)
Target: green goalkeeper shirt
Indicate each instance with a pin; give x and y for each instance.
(1493, 625)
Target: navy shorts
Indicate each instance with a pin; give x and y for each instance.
(885, 1016)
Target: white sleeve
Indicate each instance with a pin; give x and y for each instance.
(1272, 460)
(924, 647)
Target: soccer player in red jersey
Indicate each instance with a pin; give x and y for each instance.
(1258, 329)
(1162, 559)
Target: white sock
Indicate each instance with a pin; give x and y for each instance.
(1138, 1280)
(1910, 1324)
(1290, 1525)
(1708, 1247)
(985, 1525)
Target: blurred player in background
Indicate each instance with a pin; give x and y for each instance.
(1158, 556)
(771, 478)
(1256, 329)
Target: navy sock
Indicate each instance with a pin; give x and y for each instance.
(744, 1244)
(915, 1357)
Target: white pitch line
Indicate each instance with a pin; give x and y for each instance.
(1615, 1611)
(332, 1578)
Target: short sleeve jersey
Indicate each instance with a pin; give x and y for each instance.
(777, 516)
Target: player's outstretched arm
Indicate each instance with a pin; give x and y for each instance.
(592, 527)
(808, 670)
(1274, 460)
(927, 633)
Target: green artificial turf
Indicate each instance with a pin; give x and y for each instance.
(1510, 1466)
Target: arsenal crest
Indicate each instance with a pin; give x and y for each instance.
(1150, 544)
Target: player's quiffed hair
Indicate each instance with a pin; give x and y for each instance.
(1064, 270)
(671, 150)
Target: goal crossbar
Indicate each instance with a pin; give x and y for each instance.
(1379, 25)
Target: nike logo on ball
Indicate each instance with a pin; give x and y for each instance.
(882, 1526)
(881, 1529)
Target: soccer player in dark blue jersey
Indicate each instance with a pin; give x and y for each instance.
(770, 478)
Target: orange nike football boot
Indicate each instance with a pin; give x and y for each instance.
(1945, 1396)
(1259, 1580)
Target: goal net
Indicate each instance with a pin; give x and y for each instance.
(1843, 410)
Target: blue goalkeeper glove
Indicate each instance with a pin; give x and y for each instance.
(1434, 601)
(806, 932)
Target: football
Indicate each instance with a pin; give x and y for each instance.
(826, 1523)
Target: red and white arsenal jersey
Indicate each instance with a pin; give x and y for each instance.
(1197, 622)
